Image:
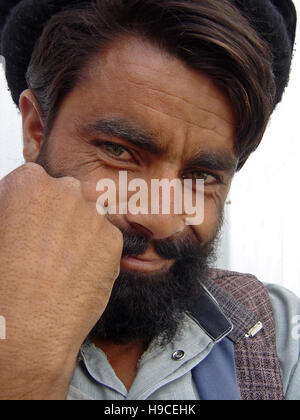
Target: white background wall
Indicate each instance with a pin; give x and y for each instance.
(10, 130)
(262, 229)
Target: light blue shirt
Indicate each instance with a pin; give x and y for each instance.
(161, 377)
(286, 308)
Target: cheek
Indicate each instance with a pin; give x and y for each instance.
(213, 212)
(90, 177)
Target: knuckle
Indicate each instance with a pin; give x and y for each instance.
(28, 170)
(70, 185)
(68, 189)
(31, 167)
(113, 235)
(32, 175)
(28, 178)
(117, 238)
(116, 272)
(70, 182)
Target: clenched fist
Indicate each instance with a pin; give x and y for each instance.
(58, 262)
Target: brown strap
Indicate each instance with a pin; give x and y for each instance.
(257, 362)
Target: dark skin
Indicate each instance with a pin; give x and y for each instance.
(123, 358)
(190, 122)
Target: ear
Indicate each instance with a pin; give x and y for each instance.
(32, 126)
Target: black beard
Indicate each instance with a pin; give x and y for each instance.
(147, 307)
(143, 306)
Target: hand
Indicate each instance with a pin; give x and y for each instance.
(58, 262)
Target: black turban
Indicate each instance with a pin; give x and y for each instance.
(22, 22)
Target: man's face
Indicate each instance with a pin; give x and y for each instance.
(140, 111)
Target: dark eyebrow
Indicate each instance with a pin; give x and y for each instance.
(124, 130)
(214, 160)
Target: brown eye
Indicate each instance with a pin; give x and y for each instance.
(203, 176)
(199, 175)
(116, 151)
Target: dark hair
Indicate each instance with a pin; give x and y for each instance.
(209, 35)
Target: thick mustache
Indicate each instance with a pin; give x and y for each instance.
(136, 244)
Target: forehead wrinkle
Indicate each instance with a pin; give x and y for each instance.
(160, 91)
(190, 123)
(172, 60)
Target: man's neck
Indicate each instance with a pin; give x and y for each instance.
(123, 358)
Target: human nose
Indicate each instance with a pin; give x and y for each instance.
(158, 226)
(163, 217)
